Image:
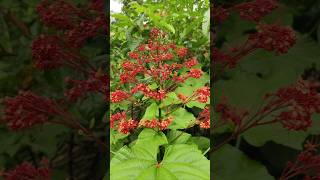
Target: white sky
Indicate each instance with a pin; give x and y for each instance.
(115, 6)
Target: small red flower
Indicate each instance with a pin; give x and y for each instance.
(142, 48)
(205, 124)
(182, 52)
(125, 126)
(118, 96)
(195, 73)
(191, 62)
(133, 55)
(149, 124)
(116, 117)
(163, 125)
(128, 66)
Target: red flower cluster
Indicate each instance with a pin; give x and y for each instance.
(28, 172)
(97, 82)
(273, 38)
(124, 125)
(27, 110)
(307, 164)
(118, 96)
(157, 94)
(195, 73)
(58, 14)
(155, 123)
(116, 117)
(202, 94)
(204, 119)
(255, 10)
(163, 64)
(77, 24)
(300, 101)
(191, 62)
(182, 52)
(269, 37)
(77, 36)
(155, 60)
(50, 52)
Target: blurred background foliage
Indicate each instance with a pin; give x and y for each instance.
(19, 25)
(262, 152)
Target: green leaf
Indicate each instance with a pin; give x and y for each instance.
(178, 137)
(198, 104)
(171, 99)
(115, 136)
(168, 27)
(181, 119)
(180, 162)
(203, 143)
(152, 139)
(151, 112)
(151, 135)
(186, 162)
(260, 135)
(193, 84)
(122, 20)
(230, 162)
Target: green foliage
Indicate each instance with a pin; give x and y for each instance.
(180, 161)
(182, 119)
(230, 162)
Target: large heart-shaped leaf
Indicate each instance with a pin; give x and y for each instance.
(180, 161)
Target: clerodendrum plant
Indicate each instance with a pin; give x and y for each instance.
(159, 83)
